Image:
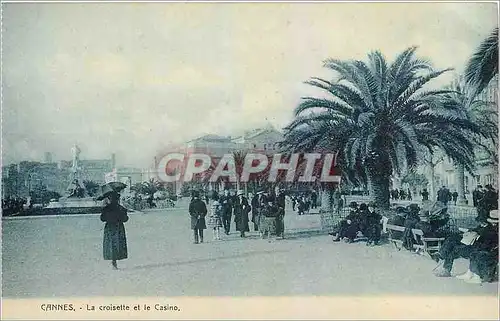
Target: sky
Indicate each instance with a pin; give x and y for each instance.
(132, 78)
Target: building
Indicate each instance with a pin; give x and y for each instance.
(20, 179)
(263, 140)
(444, 173)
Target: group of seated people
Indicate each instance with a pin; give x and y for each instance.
(433, 221)
(479, 245)
(362, 219)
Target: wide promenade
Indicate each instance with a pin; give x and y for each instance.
(62, 256)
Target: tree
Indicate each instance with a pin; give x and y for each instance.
(484, 115)
(380, 117)
(415, 180)
(148, 188)
(239, 162)
(432, 158)
(483, 65)
(91, 187)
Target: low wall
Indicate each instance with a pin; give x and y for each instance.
(59, 211)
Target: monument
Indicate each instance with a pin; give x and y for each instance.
(77, 200)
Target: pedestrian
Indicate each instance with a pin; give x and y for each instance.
(425, 195)
(314, 199)
(477, 194)
(215, 218)
(115, 239)
(444, 195)
(280, 217)
(255, 210)
(241, 210)
(409, 196)
(227, 210)
(337, 201)
(197, 211)
(301, 206)
(454, 197)
(402, 194)
(268, 219)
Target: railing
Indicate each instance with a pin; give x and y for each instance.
(460, 216)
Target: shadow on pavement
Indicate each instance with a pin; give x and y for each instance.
(230, 257)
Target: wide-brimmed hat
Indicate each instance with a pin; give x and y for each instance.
(240, 192)
(353, 204)
(493, 218)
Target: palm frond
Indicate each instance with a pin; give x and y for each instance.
(483, 65)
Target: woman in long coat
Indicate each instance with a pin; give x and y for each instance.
(241, 210)
(115, 239)
(197, 211)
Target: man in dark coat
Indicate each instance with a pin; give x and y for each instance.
(477, 194)
(425, 195)
(374, 225)
(454, 196)
(280, 218)
(487, 203)
(348, 227)
(255, 210)
(115, 239)
(454, 248)
(197, 211)
(443, 195)
(484, 261)
(227, 209)
(241, 210)
(314, 199)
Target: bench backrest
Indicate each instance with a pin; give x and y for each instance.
(395, 227)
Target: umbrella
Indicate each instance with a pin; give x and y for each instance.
(110, 187)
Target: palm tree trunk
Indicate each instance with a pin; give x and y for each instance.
(326, 199)
(460, 172)
(378, 185)
(432, 181)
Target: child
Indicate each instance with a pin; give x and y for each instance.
(215, 219)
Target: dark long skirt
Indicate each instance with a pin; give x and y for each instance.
(241, 220)
(114, 242)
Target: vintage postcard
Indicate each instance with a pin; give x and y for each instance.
(249, 160)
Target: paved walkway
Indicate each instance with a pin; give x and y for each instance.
(62, 256)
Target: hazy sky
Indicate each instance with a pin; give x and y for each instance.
(130, 78)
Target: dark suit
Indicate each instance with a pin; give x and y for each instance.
(227, 209)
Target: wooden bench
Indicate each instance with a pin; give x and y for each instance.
(398, 242)
(429, 245)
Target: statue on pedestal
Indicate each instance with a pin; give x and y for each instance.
(76, 188)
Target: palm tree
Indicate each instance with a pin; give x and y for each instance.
(483, 65)
(380, 118)
(484, 114)
(239, 161)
